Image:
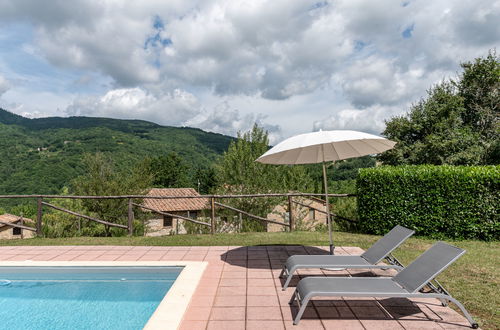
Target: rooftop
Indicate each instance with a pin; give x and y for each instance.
(10, 218)
(177, 204)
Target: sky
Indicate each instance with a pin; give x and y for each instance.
(221, 65)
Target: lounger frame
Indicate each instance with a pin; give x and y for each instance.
(379, 251)
(409, 284)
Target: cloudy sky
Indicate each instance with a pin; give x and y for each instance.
(220, 65)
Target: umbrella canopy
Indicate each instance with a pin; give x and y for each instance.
(325, 146)
(322, 147)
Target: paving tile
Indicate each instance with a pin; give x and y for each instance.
(202, 301)
(361, 302)
(380, 324)
(304, 325)
(446, 313)
(369, 313)
(455, 325)
(226, 325)
(230, 301)
(241, 282)
(290, 312)
(227, 313)
(259, 301)
(231, 291)
(206, 290)
(407, 313)
(396, 302)
(255, 282)
(417, 325)
(264, 313)
(342, 324)
(193, 325)
(197, 313)
(262, 290)
(265, 325)
(209, 282)
(233, 275)
(345, 312)
(284, 300)
(327, 312)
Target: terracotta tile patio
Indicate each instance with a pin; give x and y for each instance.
(240, 289)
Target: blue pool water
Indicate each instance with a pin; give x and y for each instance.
(81, 297)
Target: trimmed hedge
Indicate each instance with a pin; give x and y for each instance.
(458, 202)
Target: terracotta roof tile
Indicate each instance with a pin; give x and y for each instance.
(10, 218)
(177, 204)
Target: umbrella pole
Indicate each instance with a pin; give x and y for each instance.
(327, 204)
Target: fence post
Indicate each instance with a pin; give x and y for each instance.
(240, 216)
(22, 224)
(130, 217)
(290, 213)
(39, 217)
(212, 216)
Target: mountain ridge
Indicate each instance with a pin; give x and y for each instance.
(42, 155)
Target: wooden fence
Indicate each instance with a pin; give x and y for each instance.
(130, 198)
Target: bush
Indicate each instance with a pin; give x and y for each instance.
(457, 202)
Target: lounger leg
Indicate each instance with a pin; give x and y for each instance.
(282, 272)
(287, 282)
(302, 308)
(294, 295)
(469, 318)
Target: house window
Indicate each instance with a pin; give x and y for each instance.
(167, 221)
(193, 214)
(311, 214)
(16, 231)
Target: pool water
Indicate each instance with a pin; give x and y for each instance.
(82, 297)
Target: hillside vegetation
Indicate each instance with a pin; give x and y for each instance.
(40, 156)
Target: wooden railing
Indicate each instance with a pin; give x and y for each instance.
(130, 198)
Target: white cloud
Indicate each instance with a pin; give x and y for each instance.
(370, 120)
(227, 120)
(188, 62)
(4, 85)
(169, 108)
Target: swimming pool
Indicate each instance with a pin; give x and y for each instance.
(92, 296)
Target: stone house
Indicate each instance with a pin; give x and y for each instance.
(161, 225)
(307, 213)
(9, 232)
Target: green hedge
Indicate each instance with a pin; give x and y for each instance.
(458, 202)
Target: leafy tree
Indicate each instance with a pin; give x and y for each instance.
(168, 171)
(239, 173)
(456, 124)
(205, 179)
(102, 179)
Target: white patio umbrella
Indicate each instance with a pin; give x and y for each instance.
(322, 147)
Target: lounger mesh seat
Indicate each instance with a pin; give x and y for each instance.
(375, 254)
(406, 284)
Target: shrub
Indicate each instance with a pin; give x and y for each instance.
(458, 202)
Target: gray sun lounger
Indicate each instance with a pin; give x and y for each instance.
(375, 254)
(408, 283)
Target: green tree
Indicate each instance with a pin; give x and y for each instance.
(101, 178)
(239, 173)
(205, 180)
(168, 171)
(456, 124)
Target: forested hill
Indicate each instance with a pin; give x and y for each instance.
(40, 156)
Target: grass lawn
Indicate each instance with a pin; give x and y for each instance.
(473, 279)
